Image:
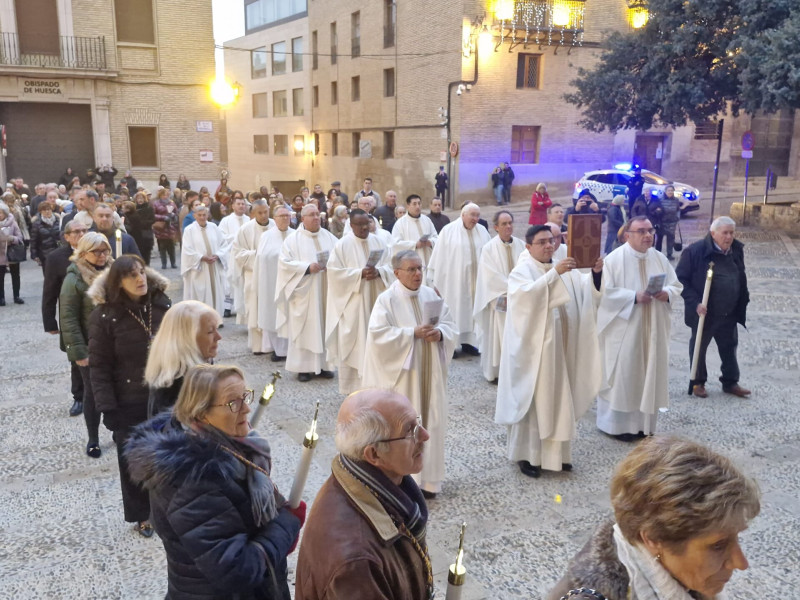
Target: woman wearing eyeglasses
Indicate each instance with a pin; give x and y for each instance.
(91, 256)
(130, 303)
(226, 528)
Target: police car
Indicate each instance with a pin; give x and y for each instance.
(603, 185)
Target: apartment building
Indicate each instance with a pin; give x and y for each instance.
(118, 82)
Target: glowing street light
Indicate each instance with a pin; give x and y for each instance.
(485, 41)
(223, 93)
(561, 16)
(504, 10)
(299, 146)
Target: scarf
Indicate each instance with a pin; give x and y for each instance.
(49, 222)
(649, 580)
(88, 271)
(404, 503)
(264, 496)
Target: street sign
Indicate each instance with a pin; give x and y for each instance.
(748, 142)
(747, 154)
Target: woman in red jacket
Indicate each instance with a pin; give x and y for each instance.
(540, 202)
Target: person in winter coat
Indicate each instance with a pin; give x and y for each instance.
(165, 227)
(45, 234)
(540, 202)
(66, 177)
(183, 183)
(10, 235)
(671, 214)
(139, 219)
(130, 303)
(91, 257)
(226, 529)
(188, 336)
(497, 185)
(105, 174)
(164, 182)
(617, 217)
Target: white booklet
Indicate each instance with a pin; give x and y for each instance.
(432, 311)
(323, 256)
(425, 237)
(656, 283)
(374, 257)
(502, 304)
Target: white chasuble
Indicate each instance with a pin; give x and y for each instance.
(205, 281)
(497, 261)
(350, 302)
(550, 365)
(244, 254)
(453, 270)
(408, 230)
(304, 322)
(265, 275)
(395, 359)
(348, 228)
(234, 283)
(634, 341)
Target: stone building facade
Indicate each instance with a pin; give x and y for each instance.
(86, 83)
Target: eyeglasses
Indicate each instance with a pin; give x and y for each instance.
(100, 251)
(547, 242)
(76, 231)
(236, 405)
(643, 231)
(411, 435)
(413, 270)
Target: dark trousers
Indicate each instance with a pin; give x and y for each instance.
(724, 332)
(90, 413)
(14, 269)
(147, 249)
(669, 234)
(77, 382)
(442, 193)
(135, 499)
(167, 247)
(507, 194)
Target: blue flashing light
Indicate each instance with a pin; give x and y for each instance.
(624, 166)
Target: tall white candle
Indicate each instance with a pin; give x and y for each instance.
(300, 477)
(457, 572)
(119, 243)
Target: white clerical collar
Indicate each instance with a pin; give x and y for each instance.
(636, 253)
(543, 266)
(403, 290)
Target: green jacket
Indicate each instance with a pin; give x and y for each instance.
(74, 308)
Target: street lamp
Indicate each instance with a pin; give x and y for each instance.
(223, 93)
(638, 15)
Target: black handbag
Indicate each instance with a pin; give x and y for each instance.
(16, 253)
(679, 245)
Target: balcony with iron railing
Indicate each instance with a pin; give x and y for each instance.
(550, 22)
(67, 52)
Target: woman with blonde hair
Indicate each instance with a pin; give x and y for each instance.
(91, 257)
(540, 202)
(679, 509)
(11, 243)
(188, 336)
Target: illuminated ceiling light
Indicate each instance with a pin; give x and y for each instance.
(299, 145)
(504, 10)
(223, 93)
(485, 41)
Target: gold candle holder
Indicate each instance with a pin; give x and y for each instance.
(266, 398)
(457, 572)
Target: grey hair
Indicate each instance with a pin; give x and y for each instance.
(496, 218)
(259, 202)
(307, 209)
(398, 258)
(93, 194)
(720, 222)
(365, 428)
(201, 208)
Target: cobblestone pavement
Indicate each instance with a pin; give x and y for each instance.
(61, 525)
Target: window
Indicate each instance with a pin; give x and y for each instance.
(356, 144)
(355, 89)
(280, 145)
(260, 105)
(299, 145)
(261, 144)
(258, 63)
(280, 106)
(279, 58)
(134, 21)
(707, 130)
(315, 96)
(297, 54)
(314, 50)
(334, 93)
(525, 144)
(389, 22)
(388, 83)
(258, 14)
(355, 34)
(388, 144)
(144, 146)
(334, 144)
(528, 71)
(334, 43)
(297, 102)
(316, 144)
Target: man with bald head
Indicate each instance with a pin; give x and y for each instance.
(365, 536)
(453, 270)
(103, 216)
(205, 257)
(385, 213)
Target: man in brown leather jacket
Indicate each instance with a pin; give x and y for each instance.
(365, 536)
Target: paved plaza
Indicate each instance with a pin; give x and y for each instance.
(62, 533)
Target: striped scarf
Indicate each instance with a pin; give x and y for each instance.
(404, 502)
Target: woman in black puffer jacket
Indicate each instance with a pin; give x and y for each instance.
(226, 529)
(130, 303)
(45, 234)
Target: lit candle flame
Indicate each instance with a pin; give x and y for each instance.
(119, 234)
(311, 437)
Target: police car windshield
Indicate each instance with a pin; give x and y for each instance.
(650, 177)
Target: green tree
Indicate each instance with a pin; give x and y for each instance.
(692, 61)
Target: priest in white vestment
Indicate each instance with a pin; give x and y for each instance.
(453, 271)
(411, 356)
(303, 283)
(550, 367)
(359, 271)
(633, 326)
(383, 235)
(367, 204)
(414, 231)
(244, 250)
(234, 285)
(204, 261)
(497, 260)
(265, 275)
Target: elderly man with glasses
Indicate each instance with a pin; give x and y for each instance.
(633, 325)
(365, 535)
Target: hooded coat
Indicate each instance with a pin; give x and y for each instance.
(201, 509)
(118, 347)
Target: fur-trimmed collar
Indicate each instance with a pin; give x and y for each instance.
(155, 282)
(161, 452)
(86, 271)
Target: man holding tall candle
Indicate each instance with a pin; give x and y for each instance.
(103, 217)
(365, 535)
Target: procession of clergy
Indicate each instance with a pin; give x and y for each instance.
(390, 310)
